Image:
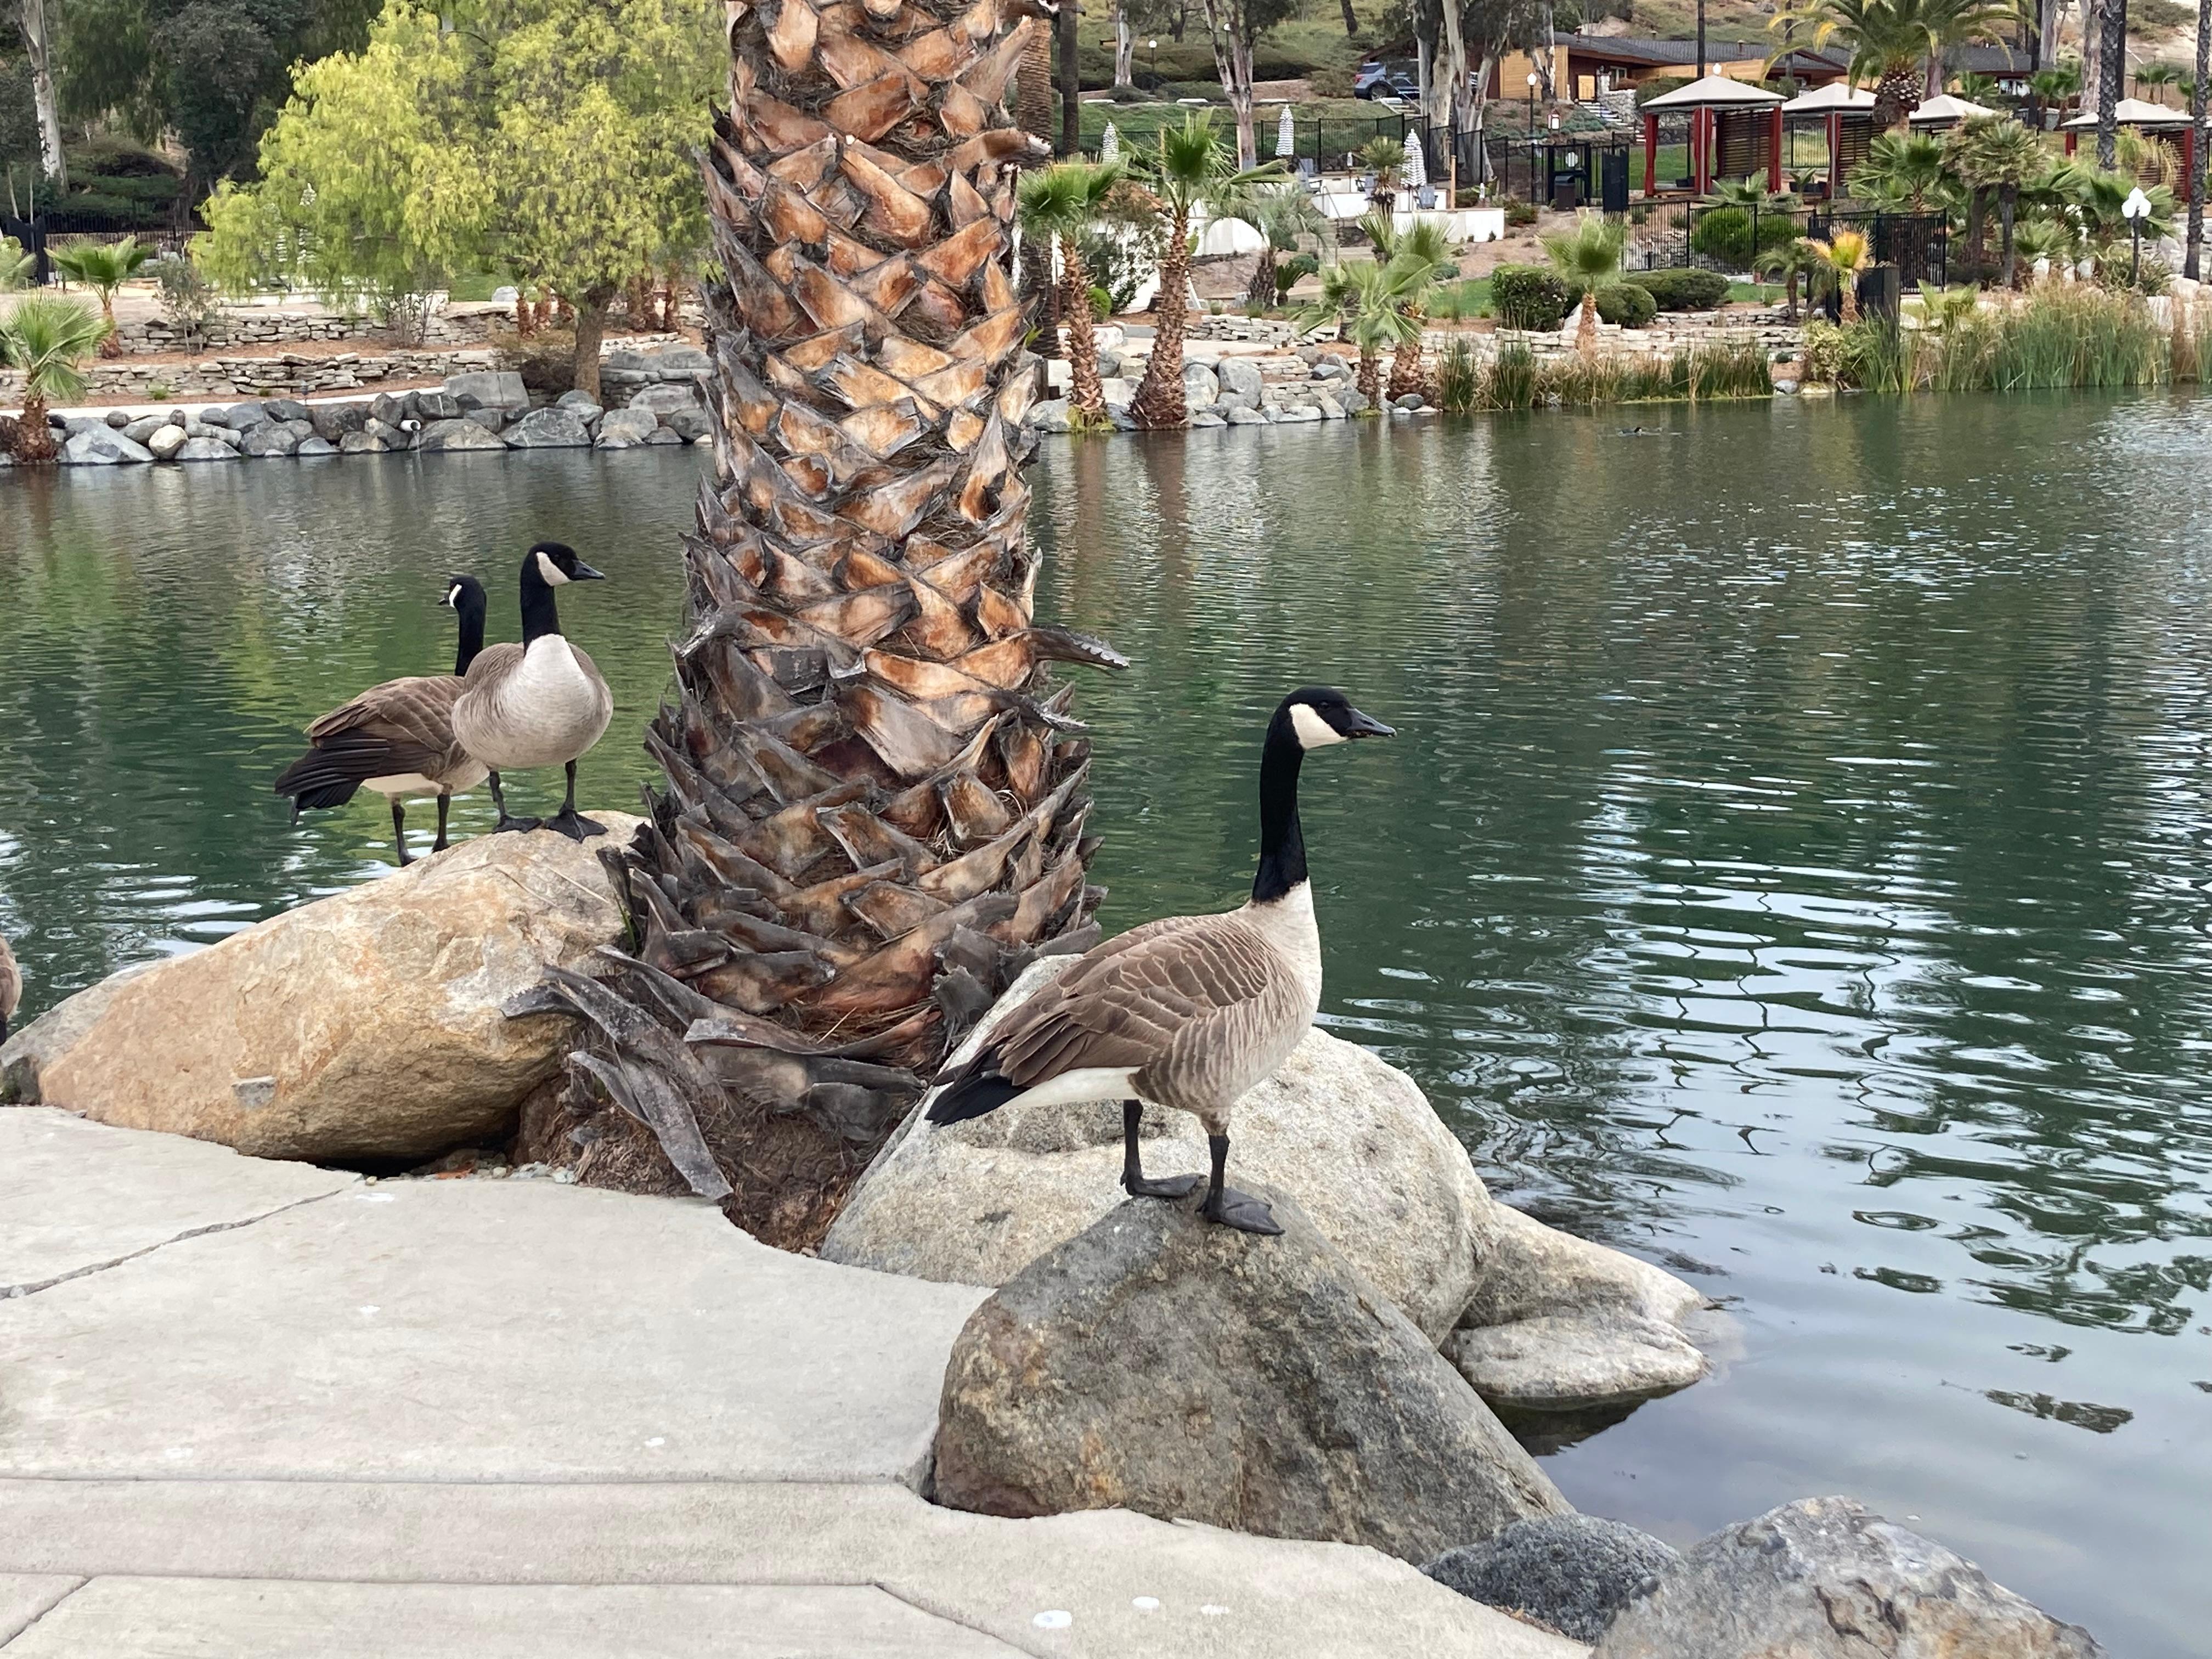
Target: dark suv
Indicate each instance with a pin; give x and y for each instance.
(1377, 80)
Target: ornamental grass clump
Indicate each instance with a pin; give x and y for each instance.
(1459, 377)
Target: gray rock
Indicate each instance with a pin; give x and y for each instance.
(270, 439)
(72, 423)
(461, 433)
(1160, 1364)
(1118, 392)
(1240, 376)
(1559, 1323)
(1332, 369)
(679, 362)
(437, 406)
(1110, 363)
(223, 434)
(333, 421)
(1239, 415)
(205, 449)
(1294, 413)
(393, 437)
(582, 402)
(166, 441)
(1354, 400)
(1207, 417)
(1408, 401)
(501, 389)
(491, 419)
(236, 417)
(284, 409)
(101, 445)
(389, 409)
(688, 424)
(1200, 388)
(145, 427)
(664, 434)
(620, 428)
(361, 443)
(1330, 408)
(317, 446)
(1572, 1572)
(624, 362)
(666, 400)
(1823, 1578)
(118, 419)
(550, 428)
(301, 429)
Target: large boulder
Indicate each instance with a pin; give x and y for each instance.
(1349, 1136)
(1572, 1572)
(1158, 1363)
(488, 388)
(205, 448)
(1823, 1578)
(679, 362)
(332, 422)
(1200, 388)
(1239, 378)
(459, 433)
(624, 428)
(367, 1024)
(164, 441)
(549, 428)
(666, 399)
(1557, 1323)
(270, 438)
(102, 444)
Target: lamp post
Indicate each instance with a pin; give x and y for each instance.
(2134, 211)
(1154, 44)
(1532, 137)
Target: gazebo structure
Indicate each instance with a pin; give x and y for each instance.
(2152, 120)
(1734, 130)
(1845, 113)
(1943, 111)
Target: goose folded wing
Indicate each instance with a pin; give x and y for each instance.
(402, 727)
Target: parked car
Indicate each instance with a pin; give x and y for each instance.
(1377, 79)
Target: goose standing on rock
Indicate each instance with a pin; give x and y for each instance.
(397, 738)
(11, 987)
(1191, 1011)
(540, 703)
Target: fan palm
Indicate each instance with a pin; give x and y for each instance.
(1385, 158)
(1790, 263)
(2099, 197)
(870, 806)
(103, 268)
(1750, 192)
(1370, 302)
(1283, 214)
(1188, 165)
(2054, 87)
(1905, 173)
(1898, 43)
(47, 338)
(2155, 78)
(1942, 309)
(1994, 154)
(1837, 263)
(1587, 258)
(1057, 204)
(1421, 244)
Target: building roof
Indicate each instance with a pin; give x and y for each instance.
(1647, 52)
(1836, 95)
(2133, 112)
(1714, 91)
(1944, 107)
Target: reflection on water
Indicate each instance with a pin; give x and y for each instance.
(1792, 867)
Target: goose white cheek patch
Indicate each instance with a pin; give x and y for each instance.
(551, 571)
(1314, 732)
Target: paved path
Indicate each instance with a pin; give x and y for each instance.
(250, 1408)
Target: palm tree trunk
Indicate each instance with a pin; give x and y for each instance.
(1125, 45)
(2006, 195)
(1159, 402)
(2200, 89)
(1261, 290)
(871, 808)
(1406, 371)
(1085, 390)
(1847, 295)
(1370, 377)
(1586, 330)
(1976, 228)
(35, 439)
(111, 344)
(1070, 81)
(2110, 44)
(1351, 19)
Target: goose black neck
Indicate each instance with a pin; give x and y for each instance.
(539, 616)
(471, 613)
(1282, 840)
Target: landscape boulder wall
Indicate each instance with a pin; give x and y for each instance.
(1823, 1578)
(1557, 1323)
(1349, 1137)
(1155, 1362)
(367, 1024)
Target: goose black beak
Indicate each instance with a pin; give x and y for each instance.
(1356, 725)
(584, 573)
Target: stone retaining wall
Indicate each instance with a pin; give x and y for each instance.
(259, 326)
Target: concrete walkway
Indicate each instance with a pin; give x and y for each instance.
(251, 1408)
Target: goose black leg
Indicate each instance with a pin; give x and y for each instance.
(443, 802)
(566, 820)
(1230, 1207)
(399, 831)
(499, 800)
(1133, 1171)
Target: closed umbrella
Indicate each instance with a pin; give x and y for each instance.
(1110, 145)
(1286, 142)
(1417, 166)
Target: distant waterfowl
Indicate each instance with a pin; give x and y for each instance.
(397, 738)
(1191, 1011)
(540, 703)
(11, 987)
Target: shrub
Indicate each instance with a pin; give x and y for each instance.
(1459, 378)
(1526, 296)
(1658, 85)
(1330, 80)
(188, 299)
(1684, 289)
(1824, 352)
(1292, 271)
(1513, 378)
(1522, 214)
(1628, 304)
(1129, 95)
(1724, 233)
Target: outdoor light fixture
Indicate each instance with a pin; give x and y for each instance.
(2134, 211)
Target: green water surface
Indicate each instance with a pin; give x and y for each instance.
(1793, 869)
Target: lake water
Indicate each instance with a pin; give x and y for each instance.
(1796, 867)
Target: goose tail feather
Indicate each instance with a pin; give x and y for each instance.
(975, 1090)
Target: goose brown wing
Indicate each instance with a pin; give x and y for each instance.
(1154, 997)
(400, 726)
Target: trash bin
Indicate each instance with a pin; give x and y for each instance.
(1565, 196)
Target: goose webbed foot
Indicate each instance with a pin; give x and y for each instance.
(575, 827)
(506, 821)
(1133, 1180)
(1227, 1207)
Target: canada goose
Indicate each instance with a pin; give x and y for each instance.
(541, 702)
(397, 738)
(11, 987)
(1189, 1011)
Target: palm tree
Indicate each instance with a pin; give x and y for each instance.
(2054, 87)
(1421, 247)
(47, 338)
(1587, 258)
(873, 805)
(1385, 158)
(1905, 173)
(1369, 301)
(1750, 192)
(2200, 85)
(1187, 166)
(1837, 263)
(1790, 263)
(1898, 43)
(16, 266)
(2157, 77)
(1994, 154)
(103, 269)
(1284, 214)
(1057, 204)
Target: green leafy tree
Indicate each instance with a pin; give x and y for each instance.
(104, 267)
(1058, 205)
(1587, 258)
(1898, 43)
(47, 338)
(1235, 27)
(1905, 173)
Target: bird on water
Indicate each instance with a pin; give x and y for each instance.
(543, 702)
(396, 738)
(1189, 1011)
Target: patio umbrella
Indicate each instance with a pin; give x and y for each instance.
(1286, 142)
(1416, 166)
(1110, 146)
